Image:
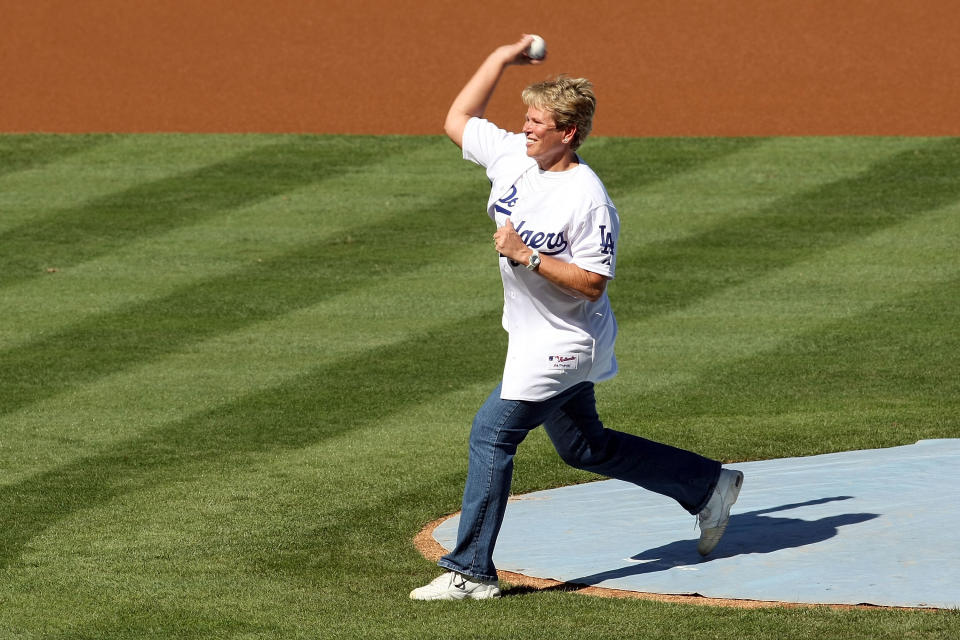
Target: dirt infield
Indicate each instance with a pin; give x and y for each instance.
(696, 67)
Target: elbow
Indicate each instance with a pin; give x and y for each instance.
(595, 288)
(589, 293)
(449, 130)
(454, 125)
(593, 294)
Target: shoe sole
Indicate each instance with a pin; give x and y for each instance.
(456, 596)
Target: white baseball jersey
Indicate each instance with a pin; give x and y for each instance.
(556, 338)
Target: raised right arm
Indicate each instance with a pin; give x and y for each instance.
(473, 98)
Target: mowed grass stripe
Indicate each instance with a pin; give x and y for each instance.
(75, 336)
(750, 180)
(304, 526)
(207, 525)
(885, 377)
(109, 165)
(214, 245)
(108, 349)
(38, 307)
(198, 377)
(680, 272)
(103, 225)
(320, 404)
(759, 314)
(105, 341)
(670, 361)
(303, 530)
(335, 210)
(26, 152)
(628, 165)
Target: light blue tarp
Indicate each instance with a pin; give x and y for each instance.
(862, 527)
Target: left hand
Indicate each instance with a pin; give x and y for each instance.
(509, 244)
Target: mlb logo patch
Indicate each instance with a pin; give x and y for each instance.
(563, 362)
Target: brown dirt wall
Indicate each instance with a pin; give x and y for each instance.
(662, 68)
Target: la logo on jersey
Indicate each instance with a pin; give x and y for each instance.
(606, 243)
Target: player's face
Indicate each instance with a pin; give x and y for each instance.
(544, 139)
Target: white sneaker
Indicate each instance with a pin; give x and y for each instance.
(456, 586)
(714, 517)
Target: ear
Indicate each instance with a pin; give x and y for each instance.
(568, 135)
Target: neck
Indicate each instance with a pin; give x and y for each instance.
(560, 162)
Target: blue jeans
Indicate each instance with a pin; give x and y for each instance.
(570, 419)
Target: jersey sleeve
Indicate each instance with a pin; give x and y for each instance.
(484, 142)
(593, 246)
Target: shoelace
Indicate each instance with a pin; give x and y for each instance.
(463, 582)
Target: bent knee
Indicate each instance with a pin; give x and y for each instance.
(583, 458)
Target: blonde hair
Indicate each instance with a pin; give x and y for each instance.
(570, 100)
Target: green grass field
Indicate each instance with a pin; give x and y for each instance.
(237, 372)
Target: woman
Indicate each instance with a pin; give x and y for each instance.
(556, 236)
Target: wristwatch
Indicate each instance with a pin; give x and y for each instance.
(534, 261)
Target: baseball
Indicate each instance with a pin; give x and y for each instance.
(537, 49)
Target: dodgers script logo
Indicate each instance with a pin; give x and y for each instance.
(510, 200)
(548, 242)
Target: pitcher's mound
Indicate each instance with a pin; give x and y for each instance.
(868, 527)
